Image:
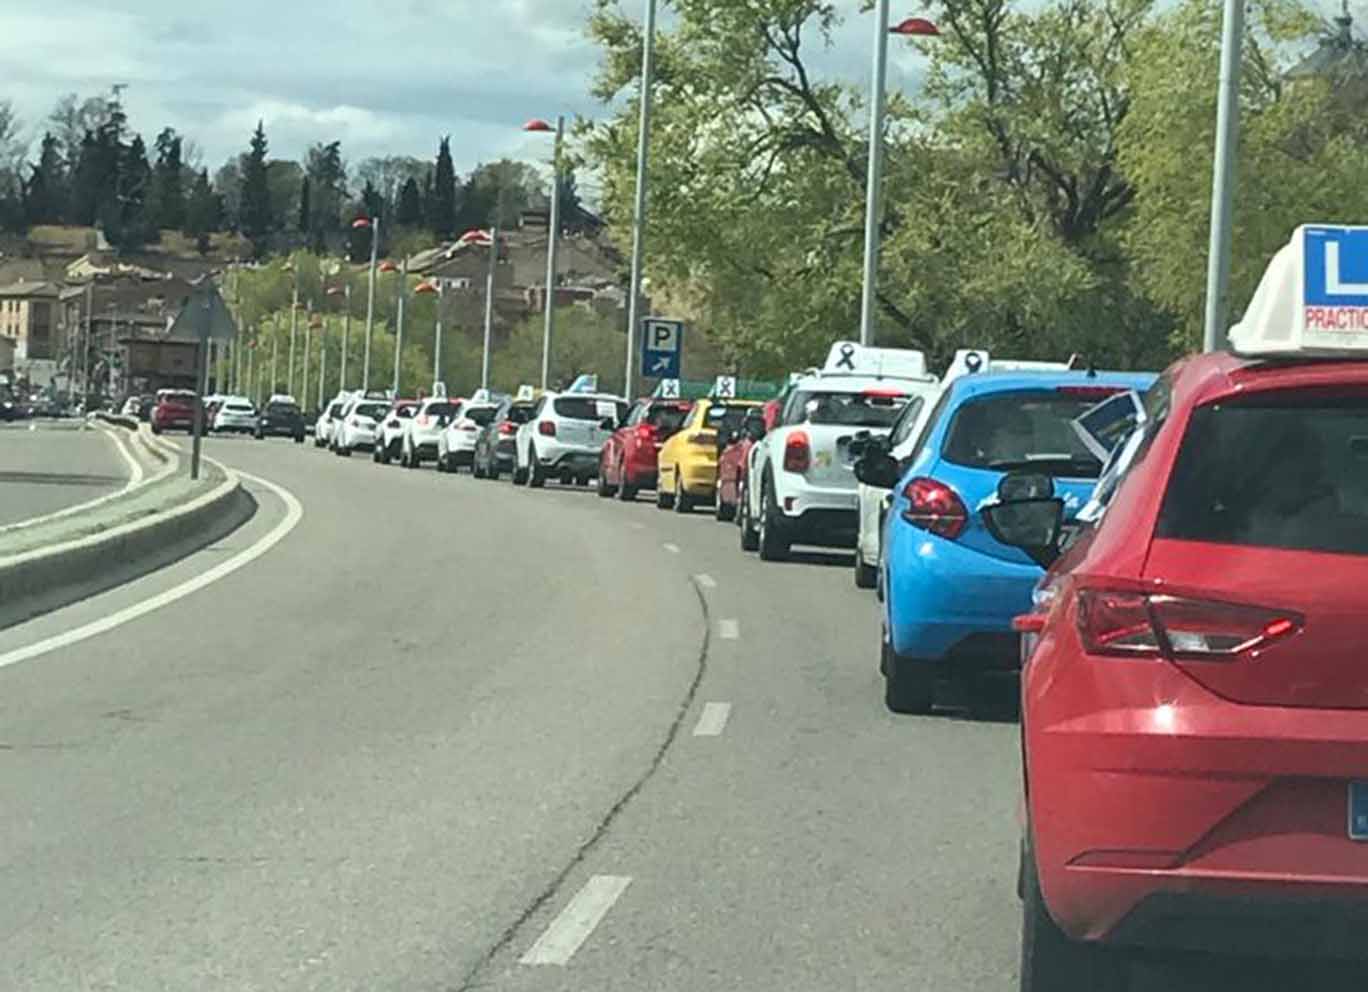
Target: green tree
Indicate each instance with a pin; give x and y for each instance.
(124, 216)
(585, 342)
(166, 197)
(304, 206)
(327, 174)
(47, 195)
(409, 212)
(442, 203)
(256, 218)
(202, 212)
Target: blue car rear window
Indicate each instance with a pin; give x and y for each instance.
(1021, 429)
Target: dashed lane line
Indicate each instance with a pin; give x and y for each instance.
(713, 720)
(577, 921)
(729, 630)
(672, 548)
(706, 581)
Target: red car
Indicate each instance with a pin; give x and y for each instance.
(627, 463)
(731, 464)
(1195, 706)
(175, 410)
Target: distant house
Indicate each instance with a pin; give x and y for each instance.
(28, 320)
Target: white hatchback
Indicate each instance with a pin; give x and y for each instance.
(323, 426)
(356, 429)
(456, 443)
(565, 436)
(235, 415)
(422, 431)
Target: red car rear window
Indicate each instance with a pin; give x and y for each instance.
(1278, 470)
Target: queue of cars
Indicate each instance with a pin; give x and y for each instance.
(1173, 564)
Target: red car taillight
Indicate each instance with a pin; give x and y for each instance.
(936, 507)
(546, 428)
(1125, 623)
(797, 452)
(508, 428)
(646, 433)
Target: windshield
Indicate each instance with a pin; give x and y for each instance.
(441, 409)
(667, 418)
(1022, 429)
(372, 410)
(873, 409)
(482, 415)
(520, 413)
(406, 412)
(283, 409)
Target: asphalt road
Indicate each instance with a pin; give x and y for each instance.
(447, 728)
(53, 466)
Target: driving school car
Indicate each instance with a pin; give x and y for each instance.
(802, 487)
(950, 587)
(687, 462)
(1195, 710)
(565, 435)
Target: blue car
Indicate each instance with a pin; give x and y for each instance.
(949, 588)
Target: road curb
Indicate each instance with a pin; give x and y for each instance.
(47, 579)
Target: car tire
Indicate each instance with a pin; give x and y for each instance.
(683, 502)
(866, 576)
(771, 542)
(909, 684)
(750, 540)
(723, 512)
(493, 473)
(299, 439)
(1050, 959)
(605, 491)
(441, 463)
(536, 477)
(156, 429)
(664, 500)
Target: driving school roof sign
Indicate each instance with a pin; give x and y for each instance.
(1312, 298)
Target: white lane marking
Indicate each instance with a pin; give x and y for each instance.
(706, 581)
(294, 512)
(135, 479)
(577, 921)
(729, 630)
(636, 525)
(672, 548)
(713, 720)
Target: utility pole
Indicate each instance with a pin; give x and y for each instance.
(437, 340)
(399, 325)
(552, 238)
(370, 302)
(1223, 175)
(639, 212)
(308, 327)
(275, 353)
(322, 362)
(294, 325)
(489, 295)
(874, 187)
(346, 332)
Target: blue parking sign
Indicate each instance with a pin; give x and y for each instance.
(662, 346)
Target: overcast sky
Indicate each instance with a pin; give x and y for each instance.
(385, 78)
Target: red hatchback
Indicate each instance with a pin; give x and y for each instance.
(1195, 707)
(175, 410)
(627, 463)
(731, 464)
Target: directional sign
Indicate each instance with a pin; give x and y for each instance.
(204, 316)
(662, 345)
(725, 387)
(669, 389)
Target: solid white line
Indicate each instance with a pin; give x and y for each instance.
(706, 581)
(294, 512)
(135, 479)
(713, 720)
(577, 921)
(672, 548)
(729, 630)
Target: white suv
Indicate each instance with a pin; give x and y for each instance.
(565, 436)
(323, 426)
(422, 430)
(456, 443)
(801, 479)
(358, 426)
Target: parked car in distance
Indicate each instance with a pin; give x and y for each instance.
(565, 437)
(629, 459)
(735, 456)
(358, 426)
(280, 417)
(175, 410)
(390, 436)
(234, 415)
(496, 445)
(687, 462)
(323, 426)
(421, 431)
(456, 441)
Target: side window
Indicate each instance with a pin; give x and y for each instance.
(906, 421)
(537, 410)
(637, 415)
(936, 413)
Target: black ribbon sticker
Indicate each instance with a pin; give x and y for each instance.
(973, 361)
(847, 357)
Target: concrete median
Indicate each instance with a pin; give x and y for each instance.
(60, 562)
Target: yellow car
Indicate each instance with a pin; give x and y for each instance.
(687, 464)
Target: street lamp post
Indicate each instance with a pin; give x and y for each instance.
(489, 301)
(373, 223)
(552, 239)
(427, 289)
(275, 353)
(639, 211)
(1223, 174)
(345, 293)
(878, 102)
(388, 266)
(322, 363)
(308, 327)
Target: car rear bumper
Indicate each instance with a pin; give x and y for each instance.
(946, 602)
(700, 478)
(825, 528)
(1163, 815)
